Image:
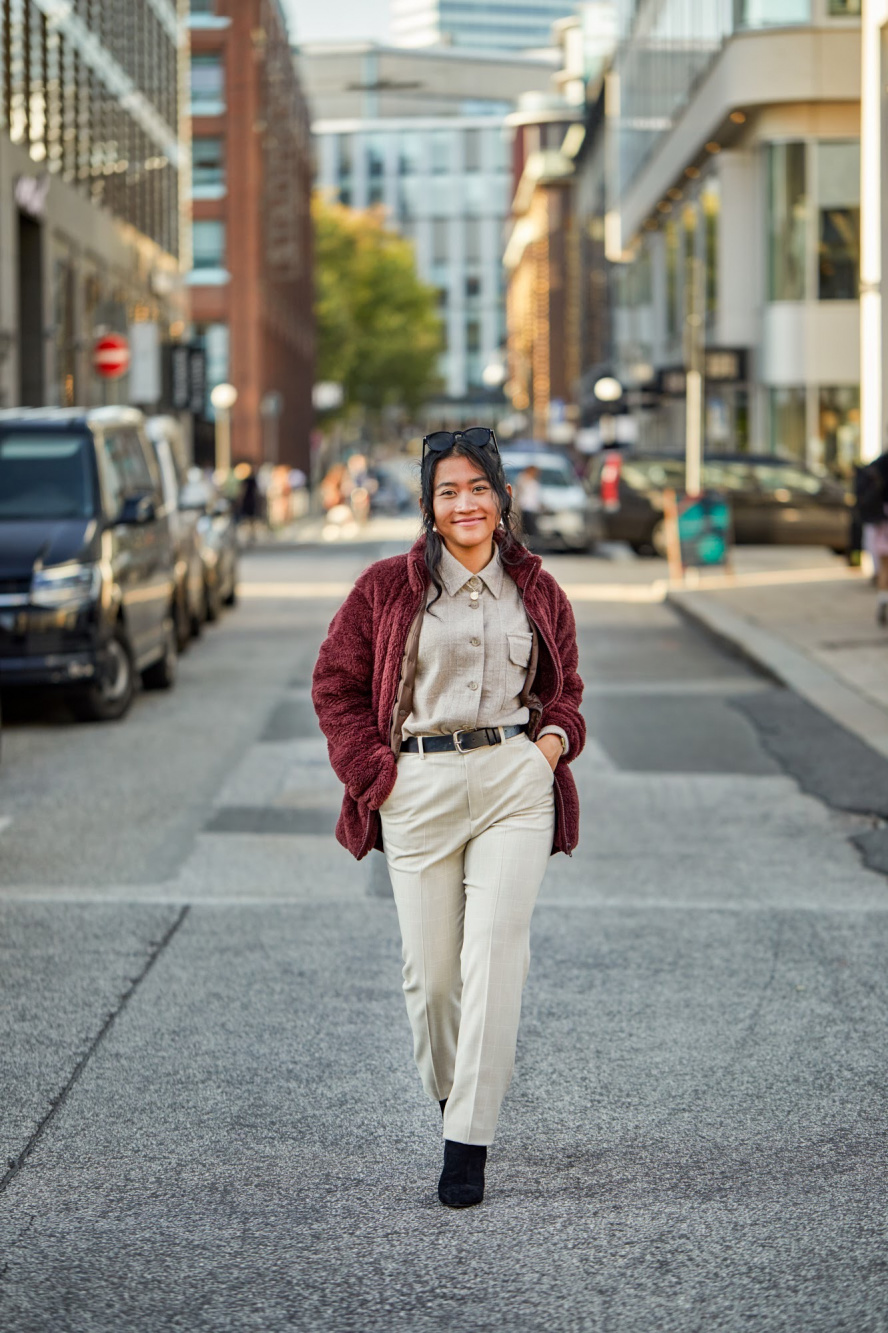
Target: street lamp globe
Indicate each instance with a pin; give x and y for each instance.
(608, 389)
(223, 397)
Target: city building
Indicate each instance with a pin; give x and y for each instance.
(734, 197)
(250, 287)
(89, 196)
(480, 25)
(421, 133)
(541, 262)
(558, 298)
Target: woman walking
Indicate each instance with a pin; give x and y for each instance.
(448, 691)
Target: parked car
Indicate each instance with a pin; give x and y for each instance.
(571, 516)
(215, 530)
(774, 501)
(165, 436)
(87, 570)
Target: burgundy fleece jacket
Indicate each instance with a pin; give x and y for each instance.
(358, 671)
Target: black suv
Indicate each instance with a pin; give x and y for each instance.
(87, 568)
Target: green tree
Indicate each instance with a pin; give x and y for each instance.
(378, 332)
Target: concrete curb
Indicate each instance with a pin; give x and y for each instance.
(813, 682)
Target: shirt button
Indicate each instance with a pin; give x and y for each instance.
(476, 643)
(473, 684)
(474, 596)
(474, 581)
(473, 606)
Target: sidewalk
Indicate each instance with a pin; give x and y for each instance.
(814, 630)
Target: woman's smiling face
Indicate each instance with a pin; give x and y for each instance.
(466, 510)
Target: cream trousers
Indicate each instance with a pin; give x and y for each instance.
(467, 838)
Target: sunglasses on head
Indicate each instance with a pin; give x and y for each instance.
(441, 440)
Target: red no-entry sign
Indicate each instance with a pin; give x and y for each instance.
(111, 356)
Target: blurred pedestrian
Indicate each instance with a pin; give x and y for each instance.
(529, 497)
(872, 505)
(448, 691)
(248, 503)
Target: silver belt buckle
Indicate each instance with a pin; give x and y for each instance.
(456, 736)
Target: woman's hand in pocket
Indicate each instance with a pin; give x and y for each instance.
(550, 748)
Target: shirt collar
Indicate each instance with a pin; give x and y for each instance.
(455, 576)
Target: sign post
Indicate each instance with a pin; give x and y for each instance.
(223, 398)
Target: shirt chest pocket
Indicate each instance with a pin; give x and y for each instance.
(516, 669)
(519, 649)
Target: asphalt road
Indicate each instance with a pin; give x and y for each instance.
(209, 1117)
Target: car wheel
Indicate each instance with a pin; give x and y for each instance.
(657, 539)
(109, 698)
(161, 675)
(212, 603)
(231, 595)
(183, 621)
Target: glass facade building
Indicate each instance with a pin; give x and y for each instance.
(760, 205)
(422, 135)
(90, 91)
(446, 187)
(492, 25)
(89, 193)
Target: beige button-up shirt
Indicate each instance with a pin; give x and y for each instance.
(474, 651)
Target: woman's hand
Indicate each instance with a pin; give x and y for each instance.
(551, 748)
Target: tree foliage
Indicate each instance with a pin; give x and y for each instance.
(378, 332)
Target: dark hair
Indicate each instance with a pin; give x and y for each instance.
(511, 548)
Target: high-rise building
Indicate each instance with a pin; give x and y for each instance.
(422, 135)
(89, 192)
(251, 281)
(484, 25)
(734, 196)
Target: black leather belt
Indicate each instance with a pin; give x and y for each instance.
(462, 740)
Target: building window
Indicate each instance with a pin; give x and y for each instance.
(473, 240)
(771, 13)
(787, 430)
(473, 335)
(410, 154)
(673, 313)
(203, 6)
(473, 289)
(344, 156)
(440, 145)
(375, 146)
(208, 167)
(787, 221)
(208, 240)
(838, 202)
(839, 431)
(711, 202)
(440, 241)
(844, 9)
(207, 81)
(472, 150)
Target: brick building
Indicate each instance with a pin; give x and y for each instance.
(251, 280)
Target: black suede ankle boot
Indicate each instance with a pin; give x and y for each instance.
(462, 1180)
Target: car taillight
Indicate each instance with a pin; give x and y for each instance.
(610, 482)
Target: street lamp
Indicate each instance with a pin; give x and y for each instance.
(494, 375)
(607, 389)
(223, 398)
